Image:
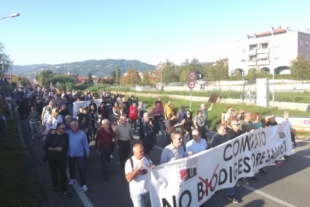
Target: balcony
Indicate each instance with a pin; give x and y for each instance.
(263, 50)
(252, 52)
(263, 61)
(251, 62)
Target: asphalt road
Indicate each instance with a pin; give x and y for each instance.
(286, 186)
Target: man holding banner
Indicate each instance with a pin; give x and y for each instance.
(218, 139)
(136, 170)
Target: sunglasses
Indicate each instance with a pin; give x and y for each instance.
(62, 128)
(236, 124)
(180, 138)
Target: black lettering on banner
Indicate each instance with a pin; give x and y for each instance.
(262, 157)
(230, 174)
(200, 191)
(253, 158)
(208, 184)
(222, 171)
(235, 170)
(239, 166)
(246, 160)
(225, 150)
(245, 143)
(257, 143)
(268, 153)
(263, 138)
(234, 148)
(166, 204)
(257, 158)
(186, 192)
(252, 140)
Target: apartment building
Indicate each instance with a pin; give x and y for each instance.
(271, 51)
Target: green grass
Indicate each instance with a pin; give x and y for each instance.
(14, 182)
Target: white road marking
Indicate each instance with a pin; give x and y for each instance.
(85, 200)
(268, 196)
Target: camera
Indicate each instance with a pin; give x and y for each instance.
(143, 171)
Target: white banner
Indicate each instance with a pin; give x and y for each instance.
(79, 104)
(192, 181)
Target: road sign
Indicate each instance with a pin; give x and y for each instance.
(191, 84)
(191, 76)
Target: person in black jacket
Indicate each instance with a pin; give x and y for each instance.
(56, 146)
(146, 133)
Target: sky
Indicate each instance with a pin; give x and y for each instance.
(151, 31)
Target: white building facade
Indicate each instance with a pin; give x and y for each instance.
(271, 51)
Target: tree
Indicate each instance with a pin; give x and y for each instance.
(131, 78)
(117, 76)
(24, 81)
(218, 71)
(44, 78)
(146, 79)
(169, 73)
(113, 76)
(300, 68)
(90, 79)
(252, 74)
(5, 61)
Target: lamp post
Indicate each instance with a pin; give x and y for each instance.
(273, 75)
(11, 16)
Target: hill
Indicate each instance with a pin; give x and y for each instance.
(98, 68)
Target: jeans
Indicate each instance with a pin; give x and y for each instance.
(123, 151)
(140, 200)
(59, 167)
(105, 160)
(231, 191)
(162, 131)
(35, 128)
(81, 166)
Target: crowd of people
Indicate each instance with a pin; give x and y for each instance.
(112, 125)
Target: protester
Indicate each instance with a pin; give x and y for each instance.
(175, 150)
(147, 133)
(205, 111)
(34, 121)
(158, 115)
(168, 109)
(104, 144)
(77, 144)
(124, 136)
(93, 116)
(181, 114)
(218, 139)
(201, 124)
(136, 170)
(286, 116)
(246, 124)
(68, 120)
(197, 144)
(272, 122)
(172, 124)
(187, 125)
(133, 115)
(56, 146)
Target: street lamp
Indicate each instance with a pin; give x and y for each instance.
(274, 71)
(11, 16)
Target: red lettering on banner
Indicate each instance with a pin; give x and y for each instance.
(208, 184)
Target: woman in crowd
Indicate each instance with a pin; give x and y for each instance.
(286, 115)
(64, 111)
(104, 144)
(172, 124)
(257, 120)
(158, 115)
(93, 121)
(34, 120)
(187, 125)
(103, 112)
(200, 123)
(83, 125)
(117, 111)
(133, 115)
(56, 146)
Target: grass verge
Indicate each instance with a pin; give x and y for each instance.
(14, 182)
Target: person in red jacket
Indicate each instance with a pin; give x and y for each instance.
(105, 143)
(133, 115)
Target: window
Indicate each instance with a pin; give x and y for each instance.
(307, 43)
(301, 42)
